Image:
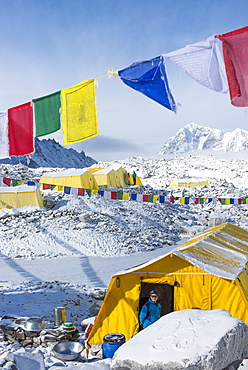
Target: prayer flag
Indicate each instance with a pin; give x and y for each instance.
(101, 192)
(149, 78)
(79, 118)
(53, 186)
(74, 191)
(140, 198)
(119, 195)
(7, 181)
(113, 194)
(81, 192)
(46, 187)
(235, 50)
(88, 191)
(150, 198)
(4, 139)
(145, 198)
(172, 199)
(203, 62)
(186, 200)
(67, 190)
(107, 194)
(21, 130)
(14, 182)
(161, 199)
(126, 196)
(47, 114)
(133, 197)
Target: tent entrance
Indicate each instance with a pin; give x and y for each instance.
(166, 296)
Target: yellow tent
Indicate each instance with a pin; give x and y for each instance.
(188, 183)
(138, 181)
(109, 178)
(208, 272)
(79, 178)
(20, 196)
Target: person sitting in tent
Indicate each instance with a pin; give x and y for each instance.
(134, 177)
(151, 310)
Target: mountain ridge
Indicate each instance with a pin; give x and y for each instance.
(195, 137)
(49, 153)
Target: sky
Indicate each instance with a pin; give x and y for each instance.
(51, 45)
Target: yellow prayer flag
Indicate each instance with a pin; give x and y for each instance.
(78, 111)
(126, 196)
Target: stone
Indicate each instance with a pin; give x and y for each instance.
(186, 340)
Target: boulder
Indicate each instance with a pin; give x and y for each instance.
(186, 340)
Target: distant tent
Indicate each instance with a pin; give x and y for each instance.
(109, 178)
(20, 196)
(79, 178)
(188, 183)
(138, 181)
(207, 272)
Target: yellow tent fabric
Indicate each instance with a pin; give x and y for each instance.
(208, 272)
(109, 178)
(20, 196)
(138, 181)
(78, 178)
(78, 111)
(188, 183)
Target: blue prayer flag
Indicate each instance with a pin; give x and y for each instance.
(67, 190)
(161, 199)
(149, 78)
(101, 192)
(133, 197)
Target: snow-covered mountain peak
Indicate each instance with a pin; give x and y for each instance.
(195, 137)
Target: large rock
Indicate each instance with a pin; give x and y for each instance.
(188, 339)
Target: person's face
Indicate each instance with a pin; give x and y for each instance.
(154, 298)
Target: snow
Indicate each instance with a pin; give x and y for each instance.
(65, 253)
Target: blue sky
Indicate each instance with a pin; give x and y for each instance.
(51, 45)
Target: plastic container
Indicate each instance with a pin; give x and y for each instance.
(111, 342)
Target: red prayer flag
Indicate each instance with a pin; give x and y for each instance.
(113, 194)
(46, 186)
(172, 199)
(21, 130)
(197, 201)
(235, 50)
(81, 191)
(145, 198)
(7, 181)
(239, 200)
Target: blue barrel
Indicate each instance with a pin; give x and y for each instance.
(111, 342)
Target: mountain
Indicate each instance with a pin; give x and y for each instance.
(49, 153)
(194, 137)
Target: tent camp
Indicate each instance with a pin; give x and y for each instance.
(75, 178)
(20, 196)
(188, 183)
(109, 178)
(207, 272)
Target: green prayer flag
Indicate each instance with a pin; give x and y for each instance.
(14, 182)
(119, 195)
(53, 186)
(150, 198)
(201, 200)
(88, 191)
(243, 200)
(47, 114)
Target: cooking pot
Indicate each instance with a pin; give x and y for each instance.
(33, 324)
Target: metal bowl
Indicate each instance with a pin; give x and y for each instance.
(34, 324)
(67, 350)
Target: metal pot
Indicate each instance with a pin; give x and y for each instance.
(67, 350)
(33, 324)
